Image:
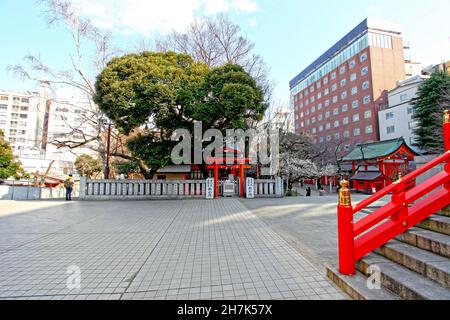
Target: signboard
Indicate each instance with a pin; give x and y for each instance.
(250, 188)
(210, 188)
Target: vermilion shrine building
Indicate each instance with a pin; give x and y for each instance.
(376, 165)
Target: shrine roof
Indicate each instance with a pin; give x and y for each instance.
(380, 149)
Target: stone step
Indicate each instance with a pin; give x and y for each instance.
(445, 212)
(436, 223)
(427, 240)
(356, 286)
(430, 265)
(399, 280)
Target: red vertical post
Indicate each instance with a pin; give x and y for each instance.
(446, 127)
(242, 180)
(216, 180)
(345, 231)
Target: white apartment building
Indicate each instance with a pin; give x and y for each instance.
(396, 120)
(31, 121)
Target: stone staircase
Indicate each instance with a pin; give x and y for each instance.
(414, 266)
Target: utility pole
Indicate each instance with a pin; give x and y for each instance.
(108, 144)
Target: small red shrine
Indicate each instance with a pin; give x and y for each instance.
(376, 165)
(232, 161)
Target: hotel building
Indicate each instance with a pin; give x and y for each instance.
(336, 99)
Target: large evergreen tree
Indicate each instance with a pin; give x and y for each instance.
(432, 99)
(149, 95)
(9, 167)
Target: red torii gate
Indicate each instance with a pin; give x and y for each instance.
(238, 164)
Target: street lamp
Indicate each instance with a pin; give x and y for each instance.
(108, 123)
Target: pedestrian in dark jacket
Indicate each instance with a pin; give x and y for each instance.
(68, 184)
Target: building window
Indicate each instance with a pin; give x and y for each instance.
(319, 95)
(364, 71)
(334, 87)
(333, 75)
(389, 115)
(345, 108)
(346, 134)
(319, 106)
(365, 85)
(355, 104)
(321, 139)
(363, 57)
(369, 129)
(368, 114)
(345, 121)
(354, 90)
(390, 129)
(412, 125)
(320, 117)
(344, 95)
(320, 128)
(411, 110)
(328, 138)
(403, 97)
(356, 117)
(307, 122)
(327, 114)
(343, 82)
(337, 136)
(313, 99)
(366, 99)
(311, 89)
(352, 64)
(3, 107)
(326, 92)
(313, 120)
(4, 98)
(318, 85)
(336, 111)
(327, 103)
(325, 80)
(353, 77)
(342, 70)
(314, 130)
(336, 124)
(356, 132)
(347, 147)
(313, 109)
(328, 126)
(307, 112)
(335, 99)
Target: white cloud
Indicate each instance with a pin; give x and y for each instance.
(147, 16)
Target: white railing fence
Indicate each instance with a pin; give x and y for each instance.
(166, 189)
(135, 189)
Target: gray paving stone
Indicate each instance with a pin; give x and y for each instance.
(194, 249)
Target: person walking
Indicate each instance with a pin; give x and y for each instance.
(308, 191)
(68, 184)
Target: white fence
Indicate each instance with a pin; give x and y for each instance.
(135, 189)
(162, 189)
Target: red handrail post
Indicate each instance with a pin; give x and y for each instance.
(345, 231)
(446, 128)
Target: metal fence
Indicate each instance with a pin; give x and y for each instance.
(27, 190)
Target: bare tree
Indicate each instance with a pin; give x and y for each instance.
(83, 35)
(217, 41)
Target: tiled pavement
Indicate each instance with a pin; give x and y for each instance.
(193, 249)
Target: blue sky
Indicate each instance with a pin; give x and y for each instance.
(289, 34)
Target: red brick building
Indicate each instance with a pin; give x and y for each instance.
(336, 99)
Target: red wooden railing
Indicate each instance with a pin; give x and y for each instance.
(408, 207)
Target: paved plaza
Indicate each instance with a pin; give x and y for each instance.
(192, 249)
